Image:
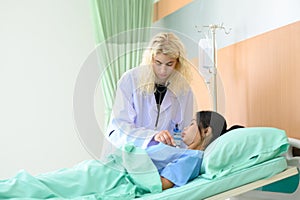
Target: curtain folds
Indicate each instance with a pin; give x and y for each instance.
(122, 33)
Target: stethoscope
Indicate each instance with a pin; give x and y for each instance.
(161, 94)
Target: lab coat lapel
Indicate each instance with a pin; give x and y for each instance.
(153, 103)
(166, 103)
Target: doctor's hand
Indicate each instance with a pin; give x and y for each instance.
(165, 137)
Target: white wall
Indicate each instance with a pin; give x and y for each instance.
(42, 46)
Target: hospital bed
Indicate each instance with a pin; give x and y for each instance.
(288, 189)
(236, 185)
(235, 163)
(230, 186)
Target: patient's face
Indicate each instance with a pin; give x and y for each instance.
(191, 133)
(163, 67)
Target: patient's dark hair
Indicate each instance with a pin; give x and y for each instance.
(214, 120)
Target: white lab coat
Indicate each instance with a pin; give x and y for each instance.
(134, 113)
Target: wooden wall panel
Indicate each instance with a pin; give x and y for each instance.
(163, 8)
(261, 78)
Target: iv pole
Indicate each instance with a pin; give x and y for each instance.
(213, 28)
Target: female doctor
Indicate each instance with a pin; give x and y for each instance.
(153, 98)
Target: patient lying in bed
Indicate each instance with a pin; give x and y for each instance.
(178, 166)
(133, 172)
(122, 169)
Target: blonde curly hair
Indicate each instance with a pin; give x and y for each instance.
(169, 44)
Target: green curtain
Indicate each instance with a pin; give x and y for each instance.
(122, 32)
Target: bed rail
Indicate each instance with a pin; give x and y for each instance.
(290, 171)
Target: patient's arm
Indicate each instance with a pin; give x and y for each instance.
(166, 184)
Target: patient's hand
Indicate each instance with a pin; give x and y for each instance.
(165, 137)
(166, 184)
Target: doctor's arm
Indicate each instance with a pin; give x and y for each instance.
(122, 128)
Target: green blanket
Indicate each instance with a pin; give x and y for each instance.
(126, 174)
